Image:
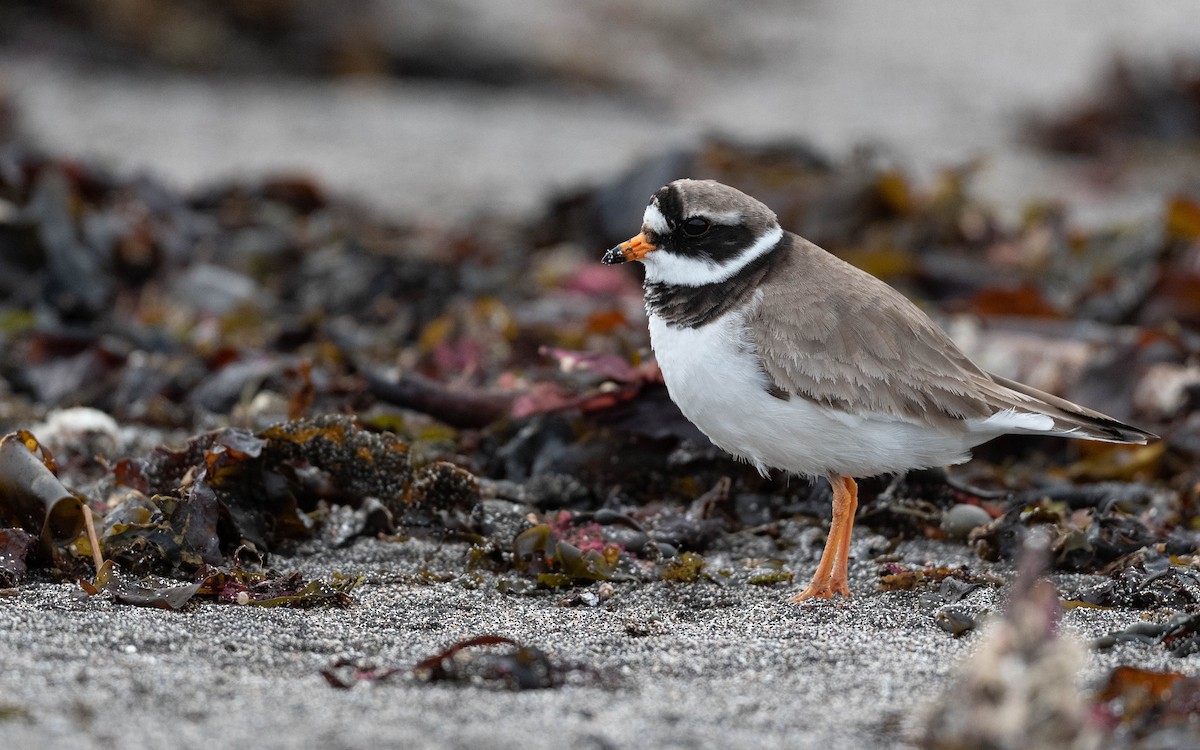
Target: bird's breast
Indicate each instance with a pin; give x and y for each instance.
(713, 374)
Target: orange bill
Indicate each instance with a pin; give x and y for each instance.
(634, 249)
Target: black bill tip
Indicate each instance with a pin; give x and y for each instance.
(614, 256)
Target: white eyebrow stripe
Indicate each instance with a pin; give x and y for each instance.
(654, 219)
(678, 270)
(726, 218)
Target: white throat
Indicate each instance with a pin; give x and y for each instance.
(677, 270)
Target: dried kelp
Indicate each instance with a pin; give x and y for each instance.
(553, 562)
(15, 546)
(233, 585)
(163, 532)
(1133, 103)
(236, 585)
(358, 463)
(1179, 635)
(1150, 581)
(157, 593)
(31, 496)
(1090, 526)
(1141, 708)
(519, 667)
(232, 488)
(943, 601)
(913, 503)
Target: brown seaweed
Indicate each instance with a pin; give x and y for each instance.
(31, 496)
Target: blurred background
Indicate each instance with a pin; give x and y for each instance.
(446, 108)
(222, 216)
(423, 188)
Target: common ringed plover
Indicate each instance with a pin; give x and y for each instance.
(790, 358)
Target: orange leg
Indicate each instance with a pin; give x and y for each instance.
(832, 576)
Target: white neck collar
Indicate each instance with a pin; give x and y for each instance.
(677, 270)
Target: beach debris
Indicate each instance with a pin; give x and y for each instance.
(1091, 526)
(231, 488)
(944, 601)
(160, 594)
(15, 546)
(687, 568)
(32, 497)
(1018, 690)
(233, 585)
(1150, 581)
(195, 359)
(1133, 103)
(896, 578)
(518, 667)
(1180, 635)
(540, 553)
(268, 588)
(1142, 708)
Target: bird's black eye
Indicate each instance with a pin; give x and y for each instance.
(696, 226)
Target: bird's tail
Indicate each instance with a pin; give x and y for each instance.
(1065, 418)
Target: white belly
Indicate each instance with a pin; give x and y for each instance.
(714, 377)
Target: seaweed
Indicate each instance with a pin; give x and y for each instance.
(895, 578)
(1146, 708)
(539, 553)
(1091, 526)
(1180, 635)
(521, 668)
(770, 579)
(140, 593)
(15, 545)
(518, 668)
(233, 585)
(32, 497)
(687, 568)
(269, 589)
(1151, 581)
(232, 488)
(163, 532)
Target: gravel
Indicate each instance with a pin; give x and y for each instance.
(664, 664)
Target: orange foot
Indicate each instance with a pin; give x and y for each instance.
(825, 589)
(832, 576)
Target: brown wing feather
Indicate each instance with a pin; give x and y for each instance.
(834, 334)
(829, 332)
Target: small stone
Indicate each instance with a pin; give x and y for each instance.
(962, 519)
(955, 621)
(605, 591)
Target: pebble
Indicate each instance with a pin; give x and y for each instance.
(960, 520)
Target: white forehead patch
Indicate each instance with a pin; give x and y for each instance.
(654, 219)
(678, 270)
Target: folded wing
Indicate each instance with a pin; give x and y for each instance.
(874, 354)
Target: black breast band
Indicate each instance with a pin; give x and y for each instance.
(694, 306)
